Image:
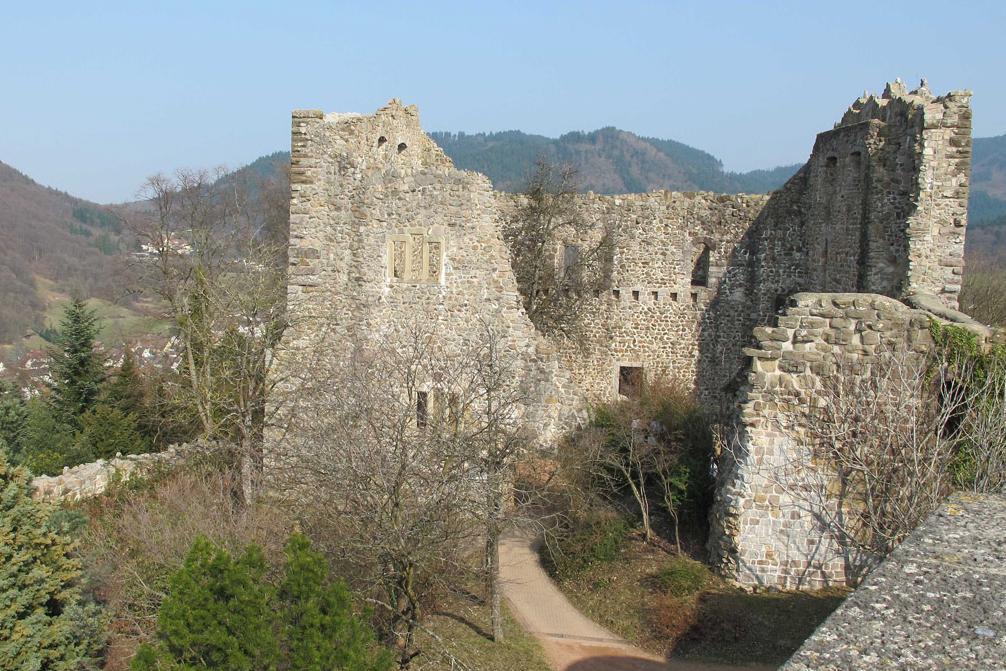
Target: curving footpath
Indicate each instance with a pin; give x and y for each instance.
(571, 641)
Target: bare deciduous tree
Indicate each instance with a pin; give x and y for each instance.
(560, 259)
(213, 254)
(409, 469)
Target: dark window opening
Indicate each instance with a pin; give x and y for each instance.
(381, 141)
(831, 162)
(635, 295)
(952, 407)
(779, 306)
(695, 297)
(570, 257)
(630, 381)
(402, 147)
(422, 409)
(655, 296)
(700, 271)
(616, 294)
(674, 297)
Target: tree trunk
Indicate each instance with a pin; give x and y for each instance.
(493, 574)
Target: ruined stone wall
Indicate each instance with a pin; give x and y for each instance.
(653, 314)
(773, 493)
(387, 238)
(93, 479)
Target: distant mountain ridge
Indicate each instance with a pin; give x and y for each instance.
(608, 160)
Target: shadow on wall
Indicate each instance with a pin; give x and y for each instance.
(767, 265)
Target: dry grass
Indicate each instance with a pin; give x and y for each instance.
(719, 623)
(456, 638)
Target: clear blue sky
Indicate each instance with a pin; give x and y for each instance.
(95, 96)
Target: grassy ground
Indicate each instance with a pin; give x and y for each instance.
(458, 640)
(716, 623)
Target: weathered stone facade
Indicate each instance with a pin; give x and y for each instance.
(387, 234)
(773, 494)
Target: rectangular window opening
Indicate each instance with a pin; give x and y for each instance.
(655, 296)
(616, 294)
(630, 381)
(635, 295)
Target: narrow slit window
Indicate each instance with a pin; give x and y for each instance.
(700, 268)
(422, 409)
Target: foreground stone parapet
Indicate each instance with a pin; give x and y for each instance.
(937, 602)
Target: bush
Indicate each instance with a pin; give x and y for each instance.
(141, 533)
(649, 454)
(49, 443)
(44, 621)
(598, 537)
(217, 615)
(221, 613)
(683, 577)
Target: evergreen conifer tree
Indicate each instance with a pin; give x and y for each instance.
(217, 615)
(125, 390)
(13, 418)
(320, 630)
(43, 623)
(76, 369)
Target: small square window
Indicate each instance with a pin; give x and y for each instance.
(635, 295)
(616, 294)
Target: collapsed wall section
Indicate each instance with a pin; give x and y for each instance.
(776, 496)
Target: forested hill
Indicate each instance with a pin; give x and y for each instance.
(608, 160)
(51, 237)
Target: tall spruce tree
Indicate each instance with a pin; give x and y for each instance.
(76, 369)
(44, 624)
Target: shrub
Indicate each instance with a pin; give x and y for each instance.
(320, 630)
(222, 613)
(217, 615)
(44, 622)
(141, 533)
(683, 577)
(598, 537)
(49, 443)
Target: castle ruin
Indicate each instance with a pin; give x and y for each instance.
(745, 297)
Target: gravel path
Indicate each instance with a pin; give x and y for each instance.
(571, 641)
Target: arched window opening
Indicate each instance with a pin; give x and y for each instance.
(381, 141)
(402, 147)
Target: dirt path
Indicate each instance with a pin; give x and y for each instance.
(571, 641)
